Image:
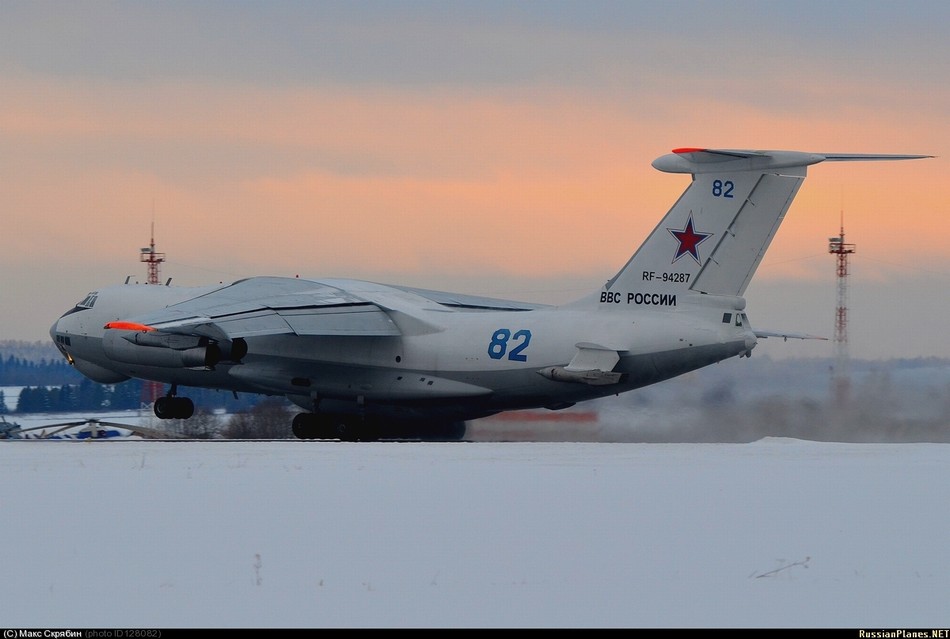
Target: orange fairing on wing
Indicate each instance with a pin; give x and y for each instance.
(129, 326)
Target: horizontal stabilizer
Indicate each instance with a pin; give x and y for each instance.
(697, 160)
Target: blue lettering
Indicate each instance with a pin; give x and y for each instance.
(498, 345)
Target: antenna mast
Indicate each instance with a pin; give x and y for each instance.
(841, 377)
(151, 389)
(153, 259)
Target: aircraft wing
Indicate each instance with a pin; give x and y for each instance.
(290, 306)
(272, 306)
(785, 335)
(473, 302)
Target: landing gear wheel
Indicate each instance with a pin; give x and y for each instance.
(345, 428)
(173, 407)
(348, 429)
(184, 408)
(305, 426)
(163, 407)
(313, 426)
(369, 431)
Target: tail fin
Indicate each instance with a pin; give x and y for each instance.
(714, 237)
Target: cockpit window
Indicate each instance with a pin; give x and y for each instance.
(89, 301)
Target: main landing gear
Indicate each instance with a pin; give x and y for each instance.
(172, 407)
(349, 428)
(353, 428)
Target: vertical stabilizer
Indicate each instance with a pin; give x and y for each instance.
(716, 234)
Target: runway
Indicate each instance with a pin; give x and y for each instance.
(775, 533)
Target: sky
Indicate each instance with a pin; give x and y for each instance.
(493, 148)
(777, 533)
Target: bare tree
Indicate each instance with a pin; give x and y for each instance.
(269, 419)
(202, 425)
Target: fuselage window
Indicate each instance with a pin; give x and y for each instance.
(726, 318)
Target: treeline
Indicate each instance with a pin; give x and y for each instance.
(89, 396)
(19, 371)
(86, 396)
(30, 351)
(51, 385)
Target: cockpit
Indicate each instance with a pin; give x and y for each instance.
(741, 320)
(89, 301)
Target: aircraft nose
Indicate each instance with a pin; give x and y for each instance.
(55, 335)
(57, 329)
(750, 341)
(59, 333)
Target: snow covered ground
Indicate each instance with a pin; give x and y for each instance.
(277, 534)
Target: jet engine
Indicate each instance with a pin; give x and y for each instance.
(165, 350)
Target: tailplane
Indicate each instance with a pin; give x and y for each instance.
(716, 234)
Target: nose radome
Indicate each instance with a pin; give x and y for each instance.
(750, 341)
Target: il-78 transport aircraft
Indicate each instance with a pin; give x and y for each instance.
(367, 361)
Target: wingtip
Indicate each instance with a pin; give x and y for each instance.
(871, 157)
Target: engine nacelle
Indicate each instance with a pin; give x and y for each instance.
(146, 349)
(232, 350)
(224, 350)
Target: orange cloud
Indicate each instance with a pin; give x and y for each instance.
(524, 183)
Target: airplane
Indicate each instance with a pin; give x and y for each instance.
(368, 361)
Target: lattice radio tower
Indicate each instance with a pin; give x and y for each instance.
(151, 390)
(842, 375)
(153, 259)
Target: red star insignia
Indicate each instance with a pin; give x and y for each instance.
(689, 240)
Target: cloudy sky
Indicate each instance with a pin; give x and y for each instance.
(497, 148)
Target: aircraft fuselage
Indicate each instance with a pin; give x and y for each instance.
(458, 364)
